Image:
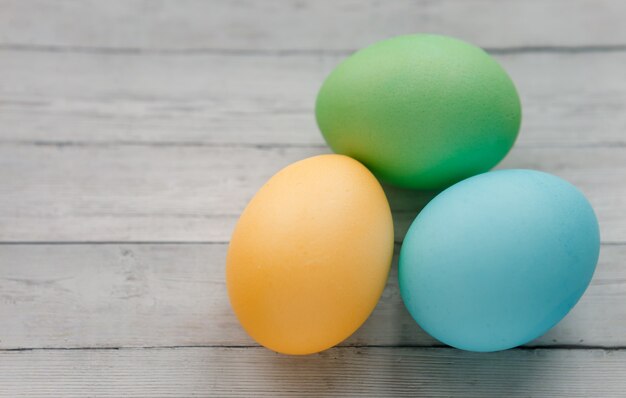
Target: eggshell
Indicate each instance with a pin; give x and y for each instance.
(310, 255)
(496, 260)
(420, 111)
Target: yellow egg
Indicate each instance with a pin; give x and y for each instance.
(310, 255)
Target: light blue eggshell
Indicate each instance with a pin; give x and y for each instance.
(496, 260)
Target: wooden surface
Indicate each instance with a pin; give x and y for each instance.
(133, 133)
(358, 372)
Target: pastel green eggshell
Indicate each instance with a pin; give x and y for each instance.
(421, 111)
(496, 260)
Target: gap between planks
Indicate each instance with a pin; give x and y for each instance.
(268, 146)
(250, 52)
(349, 346)
(191, 242)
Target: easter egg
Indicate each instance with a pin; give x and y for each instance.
(420, 111)
(496, 260)
(310, 255)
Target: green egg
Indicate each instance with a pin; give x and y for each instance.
(421, 111)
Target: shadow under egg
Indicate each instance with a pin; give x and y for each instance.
(405, 205)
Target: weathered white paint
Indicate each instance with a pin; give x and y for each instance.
(569, 99)
(174, 193)
(130, 120)
(361, 372)
(296, 25)
(120, 295)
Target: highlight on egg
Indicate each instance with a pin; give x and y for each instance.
(310, 255)
(420, 111)
(497, 260)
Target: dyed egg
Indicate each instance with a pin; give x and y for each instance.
(310, 255)
(496, 260)
(420, 111)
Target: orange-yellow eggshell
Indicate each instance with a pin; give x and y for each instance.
(310, 255)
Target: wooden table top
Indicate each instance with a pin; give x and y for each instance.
(133, 133)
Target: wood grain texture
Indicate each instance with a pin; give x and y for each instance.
(371, 372)
(569, 99)
(296, 25)
(145, 126)
(128, 295)
(195, 194)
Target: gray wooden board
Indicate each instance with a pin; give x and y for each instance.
(191, 193)
(133, 133)
(569, 99)
(146, 295)
(297, 25)
(372, 372)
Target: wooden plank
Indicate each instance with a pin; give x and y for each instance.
(371, 372)
(568, 99)
(157, 121)
(174, 193)
(306, 25)
(129, 295)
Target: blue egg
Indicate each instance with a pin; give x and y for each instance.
(498, 259)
